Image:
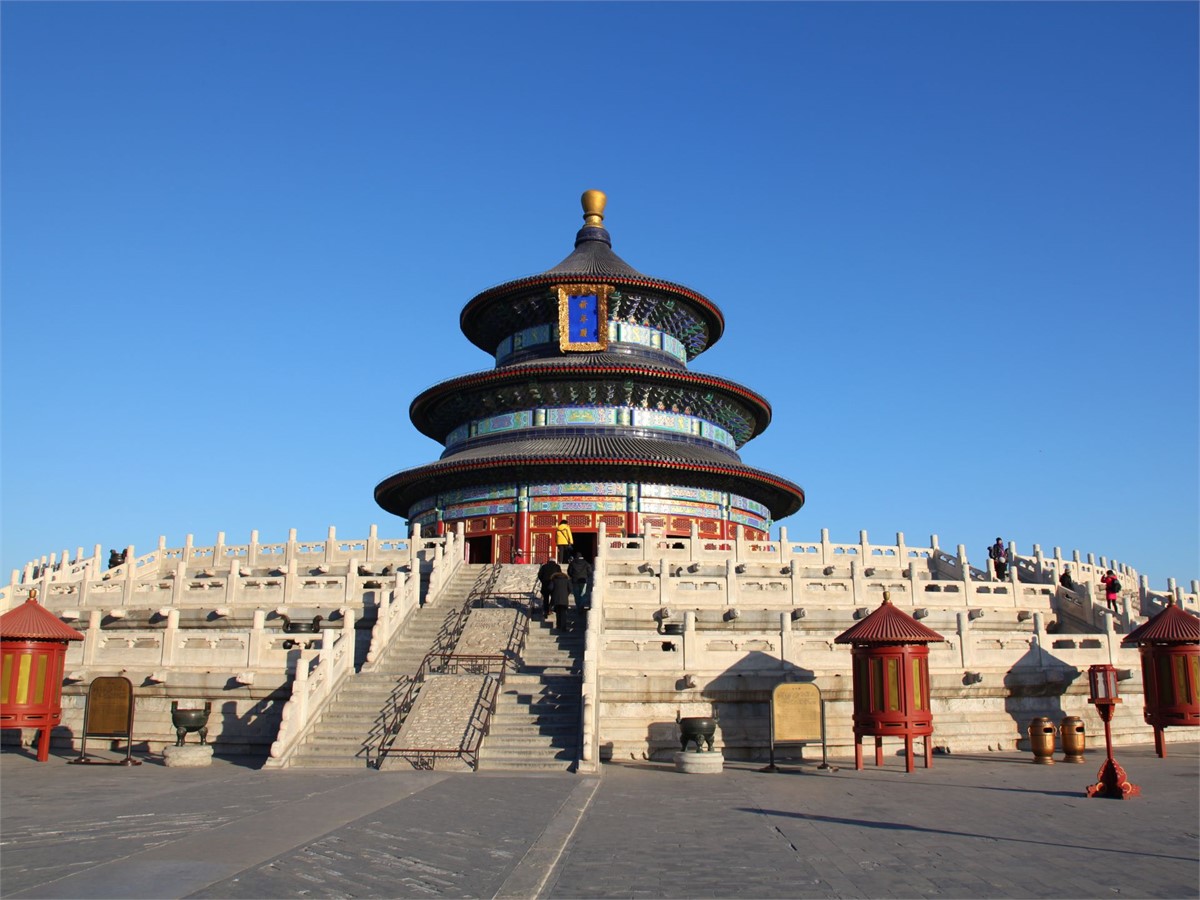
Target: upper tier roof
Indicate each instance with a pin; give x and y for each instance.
(489, 316)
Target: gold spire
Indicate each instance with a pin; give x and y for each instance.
(593, 208)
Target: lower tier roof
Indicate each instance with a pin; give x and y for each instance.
(583, 458)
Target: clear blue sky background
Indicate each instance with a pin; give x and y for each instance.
(955, 245)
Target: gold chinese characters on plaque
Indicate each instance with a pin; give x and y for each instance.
(583, 316)
(796, 713)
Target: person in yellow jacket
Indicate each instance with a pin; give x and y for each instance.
(565, 541)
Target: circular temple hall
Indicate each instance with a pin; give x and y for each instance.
(591, 415)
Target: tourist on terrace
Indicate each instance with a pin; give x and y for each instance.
(999, 557)
(565, 541)
(1112, 589)
(1066, 580)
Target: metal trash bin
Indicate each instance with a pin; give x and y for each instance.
(1074, 739)
(1041, 740)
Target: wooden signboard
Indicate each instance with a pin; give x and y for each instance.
(797, 717)
(109, 714)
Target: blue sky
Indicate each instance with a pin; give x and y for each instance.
(955, 245)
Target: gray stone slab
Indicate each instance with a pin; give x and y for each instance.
(993, 825)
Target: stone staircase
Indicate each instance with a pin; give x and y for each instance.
(536, 723)
(350, 724)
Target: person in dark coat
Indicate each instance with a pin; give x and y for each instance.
(545, 573)
(999, 557)
(579, 570)
(560, 598)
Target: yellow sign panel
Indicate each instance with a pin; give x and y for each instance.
(796, 713)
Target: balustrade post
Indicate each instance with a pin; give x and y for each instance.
(858, 590)
(964, 636)
(372, 543)
(964, 572)
(170, 638)
(331, 544)
(289, 555)
(218, 556)
(1039, 637)
(97, 561)
(901, 550)
(188, 549)
(233, 583)
(693, 541)
(826, 549)
(130, 567)
(731, 581)
(289, 577)
(1111, 639)
(91, 640)
(914, 582)
(258, 637)
(1011, 574)
(689, 639)
(664, 578)
(785, 637)
(177, 582)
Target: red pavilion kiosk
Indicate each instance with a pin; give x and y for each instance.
(33, 650)
(1169, 645)
(891, 680)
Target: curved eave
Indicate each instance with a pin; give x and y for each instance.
(468, 318)
(397, 493)
(419, 411)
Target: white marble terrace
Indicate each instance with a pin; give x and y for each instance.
(207, 622)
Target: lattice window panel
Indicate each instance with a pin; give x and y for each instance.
(614, 523)
(543, 520)
(543, 546)
(504, 548)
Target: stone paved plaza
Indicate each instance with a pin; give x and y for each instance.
(992, 825)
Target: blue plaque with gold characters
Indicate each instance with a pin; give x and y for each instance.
(583, 316)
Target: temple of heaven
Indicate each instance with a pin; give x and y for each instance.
(590, 415)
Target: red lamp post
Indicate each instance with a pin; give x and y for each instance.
(1111, 780)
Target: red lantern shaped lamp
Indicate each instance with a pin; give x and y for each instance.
(33, 650)
(891, 680)
(1169, 645)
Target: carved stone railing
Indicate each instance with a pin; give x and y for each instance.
(317, 677)
(221, 574)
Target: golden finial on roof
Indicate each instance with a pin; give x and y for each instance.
(593, 208)
(887, 596)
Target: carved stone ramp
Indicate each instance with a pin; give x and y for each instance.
(341, 738)
(439, 724)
